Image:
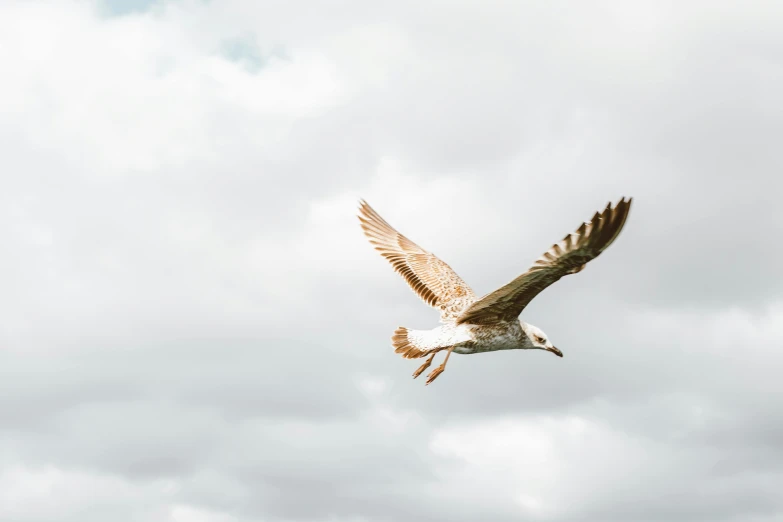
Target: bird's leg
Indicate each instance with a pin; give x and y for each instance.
(425, 365)
(437, 371)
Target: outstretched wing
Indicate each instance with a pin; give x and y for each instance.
(567, 257)
(433, 280)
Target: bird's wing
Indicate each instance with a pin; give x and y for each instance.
(433, 280)
(569, 256)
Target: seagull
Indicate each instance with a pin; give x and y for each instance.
(471, 325)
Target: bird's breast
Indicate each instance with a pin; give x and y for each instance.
(490, 338)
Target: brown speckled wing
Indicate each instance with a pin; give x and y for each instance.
(432, 279)
(569, 256)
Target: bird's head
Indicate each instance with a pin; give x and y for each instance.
(538, 340)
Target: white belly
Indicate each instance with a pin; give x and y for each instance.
(492, 338)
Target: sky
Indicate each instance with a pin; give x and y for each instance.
(194, 328)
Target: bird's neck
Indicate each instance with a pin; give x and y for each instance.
(527, 344)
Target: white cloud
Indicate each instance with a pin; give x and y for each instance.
(50, 493)
(194, 328)
(185, 513)
(550, 466)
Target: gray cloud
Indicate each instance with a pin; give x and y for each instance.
(195, 329)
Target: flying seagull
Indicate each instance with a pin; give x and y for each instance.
(473, 325)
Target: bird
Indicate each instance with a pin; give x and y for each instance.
(469, 324)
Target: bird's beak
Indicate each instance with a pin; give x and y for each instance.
(555, 351)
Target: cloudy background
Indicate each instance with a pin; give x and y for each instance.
(194, 328)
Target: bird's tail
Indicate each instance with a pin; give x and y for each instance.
(413, 344)
(407, 343)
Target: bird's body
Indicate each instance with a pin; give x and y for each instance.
(470, 324)
(471, 338)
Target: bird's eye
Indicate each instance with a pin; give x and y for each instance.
(541, 340)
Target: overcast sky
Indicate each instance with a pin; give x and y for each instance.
(194, 329)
